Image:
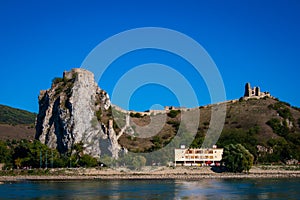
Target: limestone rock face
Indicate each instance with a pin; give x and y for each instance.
(70, 112)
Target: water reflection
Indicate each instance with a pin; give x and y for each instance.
(155, 189)
(239, 189)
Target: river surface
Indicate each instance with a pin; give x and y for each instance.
(154, 189)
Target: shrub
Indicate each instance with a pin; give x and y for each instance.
(136, 115)
(282, 110)
(58, 90)
(175, 124)
(135, 162)
(57, 80)
(156, 140)
(173, 113)
(294, 137)
(278, 128)
(87, 161)
(98, 114)
(138, 162)
(69, 91)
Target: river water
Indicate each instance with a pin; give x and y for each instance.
(154, 189)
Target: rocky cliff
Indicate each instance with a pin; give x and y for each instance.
(69, 113)
(75, 110)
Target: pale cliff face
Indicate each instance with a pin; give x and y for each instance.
(67, 115)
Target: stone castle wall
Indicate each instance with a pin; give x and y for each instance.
(254, 92)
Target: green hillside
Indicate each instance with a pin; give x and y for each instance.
(9, 115)
(267, 127)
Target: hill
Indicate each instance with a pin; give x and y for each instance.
(9, 115)
(16, 123)
(76, 111)
(267, 127)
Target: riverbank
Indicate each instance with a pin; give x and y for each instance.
(178, 173)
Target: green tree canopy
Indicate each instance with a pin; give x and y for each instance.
(237, 158)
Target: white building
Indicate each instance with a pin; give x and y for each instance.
(198, 157)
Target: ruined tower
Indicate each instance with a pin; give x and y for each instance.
(254, 92)
(247, 90)
(257, 91)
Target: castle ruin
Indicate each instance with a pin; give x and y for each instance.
(254, 92)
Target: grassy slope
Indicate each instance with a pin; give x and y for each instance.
(9, 115)
(240, 117)
(16, 124)
(253, 112)
(247, 114)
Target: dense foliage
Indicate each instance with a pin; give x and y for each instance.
(278, 150)
(280, 128)
(237, 158)
(28, 154)
(15, 116)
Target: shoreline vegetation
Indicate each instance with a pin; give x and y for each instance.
(148, 173)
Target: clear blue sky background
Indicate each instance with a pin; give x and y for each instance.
(250, 41)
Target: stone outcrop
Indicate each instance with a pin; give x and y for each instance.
(69, 113)
(263, 149)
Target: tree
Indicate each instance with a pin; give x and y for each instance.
(132, 161)
(240, 136)
(28, 154)
(107, 160)
(88, 161)
(138, 162)
(5, 154)
(237, 158)
(18, 162)
(282, 149)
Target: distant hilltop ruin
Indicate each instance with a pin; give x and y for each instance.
(254, 93)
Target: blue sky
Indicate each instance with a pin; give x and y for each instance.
(249, 41)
